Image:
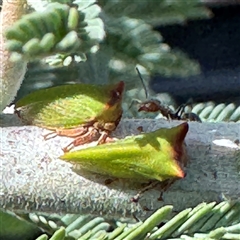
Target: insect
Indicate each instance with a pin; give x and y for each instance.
(190, 116)
(154, 105)
(158, 155)
(84, 112)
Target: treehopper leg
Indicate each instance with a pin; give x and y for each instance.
(90, 135)
(104, 138)
(151, 185)
(50, 135)
(164, 187)
(66, 132)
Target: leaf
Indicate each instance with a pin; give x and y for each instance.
(69, 31)
(156, 12)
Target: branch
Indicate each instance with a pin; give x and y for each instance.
(34, 179)
(11, 73)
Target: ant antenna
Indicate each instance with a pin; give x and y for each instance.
(144, 86)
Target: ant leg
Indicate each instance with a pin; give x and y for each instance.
(180, 110)
(132, 102)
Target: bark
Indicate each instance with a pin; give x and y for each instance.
(34, 179)
(11, 73)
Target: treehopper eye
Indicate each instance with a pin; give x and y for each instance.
(84, 112)
(158, 155)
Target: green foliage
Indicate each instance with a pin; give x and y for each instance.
(210, 112)
(156, 12)
(13, 226)
(206, 221)
(134, 42)
(59, 29)
(130, 39)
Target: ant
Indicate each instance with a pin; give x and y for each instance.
(154, 105)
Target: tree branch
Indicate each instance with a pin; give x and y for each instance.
(34, 179)
(11, 73)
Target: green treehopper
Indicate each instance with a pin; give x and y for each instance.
(158, 155)
(84, 112)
